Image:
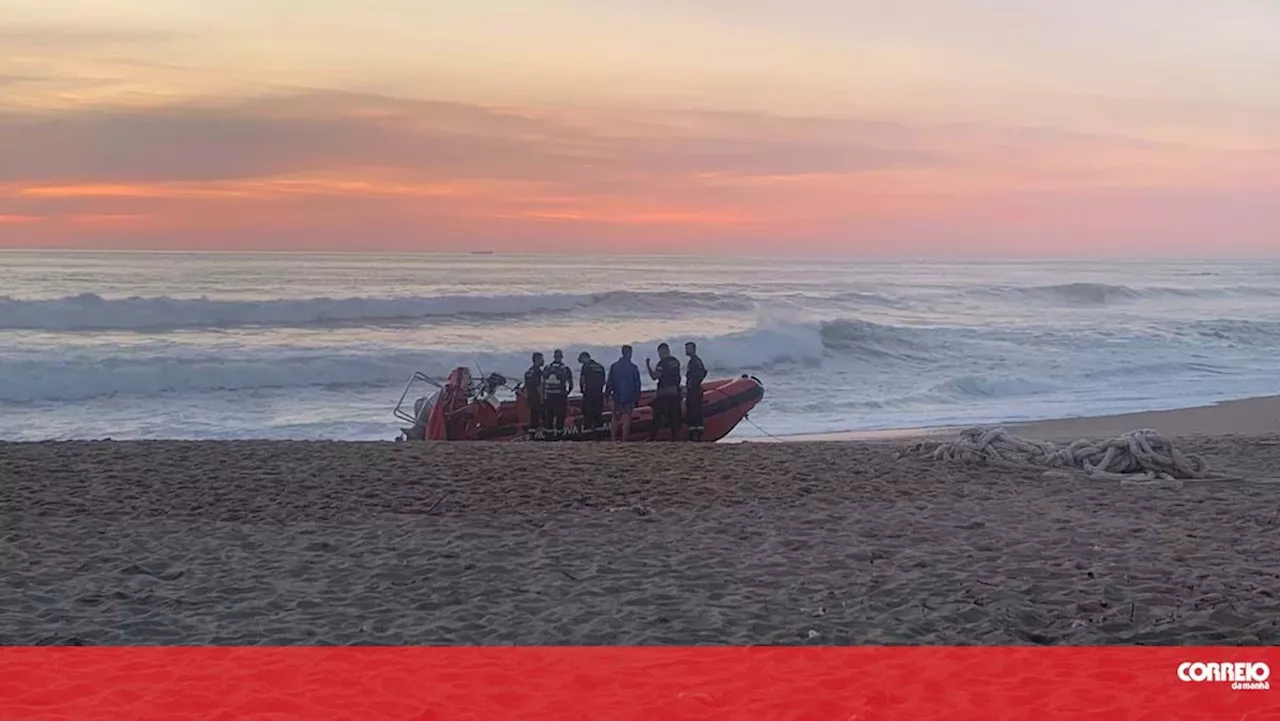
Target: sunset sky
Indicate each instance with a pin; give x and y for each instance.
(1035, 128)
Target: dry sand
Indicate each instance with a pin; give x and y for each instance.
(756, 543)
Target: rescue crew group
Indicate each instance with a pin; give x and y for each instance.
(547, 392)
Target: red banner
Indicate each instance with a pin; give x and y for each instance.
(843, 684)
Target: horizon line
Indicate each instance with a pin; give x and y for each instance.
(718, 256)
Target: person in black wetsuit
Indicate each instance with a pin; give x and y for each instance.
(592, 380)
(666, 401)
(695, 373)
(533, 396)
(557, 384)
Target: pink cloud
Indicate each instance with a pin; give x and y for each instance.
(364, 172)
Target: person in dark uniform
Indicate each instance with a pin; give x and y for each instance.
(592, 379)
(695, 373)
(666, 401)
(533, 396)
(557, 384)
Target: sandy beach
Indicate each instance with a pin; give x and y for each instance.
(835, 542)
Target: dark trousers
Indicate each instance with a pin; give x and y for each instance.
(693, 414)
(557, 407)
(536, 415)
(666, 414)
(592, 413)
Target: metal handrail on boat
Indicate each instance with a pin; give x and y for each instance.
(415, 378)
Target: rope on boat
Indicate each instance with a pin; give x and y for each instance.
(747, 418)
(1138, 455)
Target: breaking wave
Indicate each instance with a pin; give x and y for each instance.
(1104, 294)
(70, 376)
(791, 347)
(91, 312)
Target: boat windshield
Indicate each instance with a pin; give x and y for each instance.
(422, 407)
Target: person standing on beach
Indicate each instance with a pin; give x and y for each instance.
(666, 401)
(533, 395)
(695, 373)
(623, 386)
(557, 384)
(592, 380)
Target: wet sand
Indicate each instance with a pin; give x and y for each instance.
(1248, 417)
(751, 543)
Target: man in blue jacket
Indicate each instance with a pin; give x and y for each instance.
(623, 386)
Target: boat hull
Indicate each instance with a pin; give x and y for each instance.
(456, 417)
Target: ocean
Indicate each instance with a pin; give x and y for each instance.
(319, 346)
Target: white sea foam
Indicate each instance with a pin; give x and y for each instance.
(790, 348)
(838, 346)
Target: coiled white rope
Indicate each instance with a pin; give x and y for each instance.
(1138, 455)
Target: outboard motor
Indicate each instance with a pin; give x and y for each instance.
(493, 383)
(487, 392)
(421, 415)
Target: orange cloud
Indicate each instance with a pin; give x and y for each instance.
(657, 217)
(107, 218)
(248, 189)
(326, 170)
(19, 219)
(113, 190)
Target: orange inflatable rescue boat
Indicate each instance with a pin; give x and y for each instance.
(464, 409)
